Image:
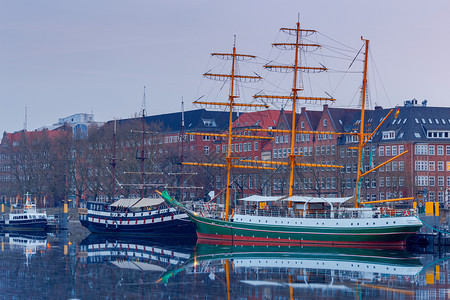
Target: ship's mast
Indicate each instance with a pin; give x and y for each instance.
(142, 158)
(230, 162)
(182, 149)
(228, 158)
(294, 109)
(113, 161)
(361, 134)
(296, 68)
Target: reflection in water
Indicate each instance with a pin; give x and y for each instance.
(136, 254)
(304, 271)
(28, 243)
(101, 267)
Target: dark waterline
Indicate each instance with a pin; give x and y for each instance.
(55, 266)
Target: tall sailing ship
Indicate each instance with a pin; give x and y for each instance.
(135, 216)
(362, 224)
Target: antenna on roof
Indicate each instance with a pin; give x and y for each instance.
(25, 124)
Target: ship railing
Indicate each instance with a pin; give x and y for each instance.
(326, 214)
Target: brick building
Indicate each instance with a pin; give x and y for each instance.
(423, 172)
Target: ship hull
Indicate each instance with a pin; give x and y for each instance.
(161, 228)
(24, 225)
(253, 230)
(155, 222)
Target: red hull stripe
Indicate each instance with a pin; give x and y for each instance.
(238, 240)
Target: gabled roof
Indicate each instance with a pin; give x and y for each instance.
(313, 118)
(286, 117)
(261, 119)
(342, 116)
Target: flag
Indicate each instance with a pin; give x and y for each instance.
(396, 113)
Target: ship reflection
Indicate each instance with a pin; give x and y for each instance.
(135, 253)
(28, 243)
(302, 271)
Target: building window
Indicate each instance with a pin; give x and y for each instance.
(348, 168)
(421, 150)
(217, 149)
(421, 165)
(302, 124)
(381, 181)
(440, 150)
(324, 122)
(206, 150)
(431, 196)
(440, 180)
(275, 153)
(447, 150)
(422, 180)
(441, 196)
(373, 183)
(249, 148)
(440, 166)
(401, 166)
(431, 165)
(432, 181)
(401, 181)
(381, 151)
(431, 150)
(256, 146)
(206, 137)
(388, 151)
(394, 150)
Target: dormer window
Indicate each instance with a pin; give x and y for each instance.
(388, 135)
(209, 122)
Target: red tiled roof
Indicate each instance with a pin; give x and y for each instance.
(263, 119)
(33, 135)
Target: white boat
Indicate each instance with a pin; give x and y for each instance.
(26, 218)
